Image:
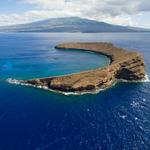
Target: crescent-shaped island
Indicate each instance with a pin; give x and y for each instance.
(124, 66)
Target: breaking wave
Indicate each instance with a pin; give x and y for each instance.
(147, 79)
(13, 81)
(20, 82)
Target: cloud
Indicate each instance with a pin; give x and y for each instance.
(112, 11)
(109, 7)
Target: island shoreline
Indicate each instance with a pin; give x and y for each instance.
(124, 65)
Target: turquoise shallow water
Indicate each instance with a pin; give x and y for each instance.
(34, 119)
(25, 56)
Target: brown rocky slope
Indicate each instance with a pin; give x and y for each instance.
(124, 65)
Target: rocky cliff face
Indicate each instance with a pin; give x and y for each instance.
(124, 65)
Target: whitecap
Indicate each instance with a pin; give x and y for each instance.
(144, 100)
(135, 104)
(123, 116)
(88, 109)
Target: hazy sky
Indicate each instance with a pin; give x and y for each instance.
(124, 12)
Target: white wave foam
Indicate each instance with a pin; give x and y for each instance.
(18, 82)
(12, 81)
(21, 82)
(144, 100)
(123, 116)
(146, 78)
(135, 104)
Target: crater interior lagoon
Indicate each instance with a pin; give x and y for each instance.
(34, 119)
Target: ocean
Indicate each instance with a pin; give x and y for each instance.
(35, 119)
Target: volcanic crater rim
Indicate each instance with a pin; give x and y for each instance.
(124, 65)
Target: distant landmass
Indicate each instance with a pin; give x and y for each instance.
(70, 24)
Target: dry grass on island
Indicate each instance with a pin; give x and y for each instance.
(124, 65)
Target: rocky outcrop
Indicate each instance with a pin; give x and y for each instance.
(124, 65)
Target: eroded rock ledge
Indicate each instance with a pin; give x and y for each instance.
(124, 65)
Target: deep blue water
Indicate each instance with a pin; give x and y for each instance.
(34, 119)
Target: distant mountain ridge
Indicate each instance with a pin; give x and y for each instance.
(70, 24)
